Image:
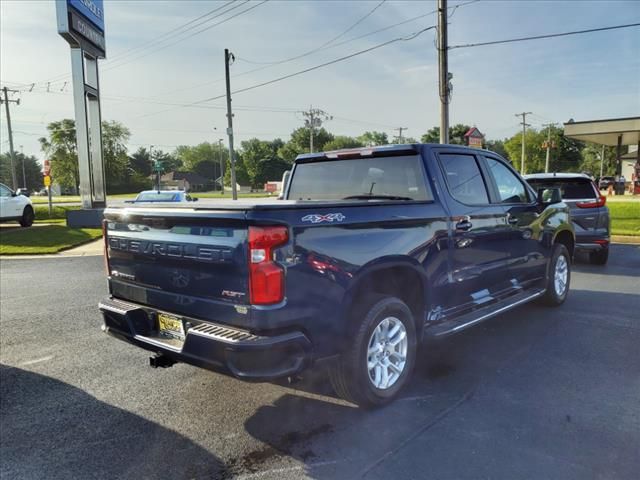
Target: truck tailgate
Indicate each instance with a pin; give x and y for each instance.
(179, 260)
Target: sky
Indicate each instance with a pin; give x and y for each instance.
(146, 87)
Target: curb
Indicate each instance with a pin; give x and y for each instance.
(625, 239)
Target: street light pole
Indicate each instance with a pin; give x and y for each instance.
(229, 56)
(221, 166)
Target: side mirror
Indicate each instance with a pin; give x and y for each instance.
(549, 196)
(22, 191)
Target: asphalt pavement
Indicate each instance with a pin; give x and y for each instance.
(537, 393)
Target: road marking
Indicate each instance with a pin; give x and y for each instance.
(37, 360)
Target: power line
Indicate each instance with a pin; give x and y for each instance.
(339, 44)
(325, 64)
(136, 55)
(551, 35)
(325, 44)
(209, 27)
(176, 31)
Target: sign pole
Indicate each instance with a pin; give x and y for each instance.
(50, 201)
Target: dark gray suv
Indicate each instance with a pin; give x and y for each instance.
(589, 214)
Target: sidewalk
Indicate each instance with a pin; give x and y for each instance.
(91, 249)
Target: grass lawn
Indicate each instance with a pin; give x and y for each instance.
(625, 218)
(45, 239)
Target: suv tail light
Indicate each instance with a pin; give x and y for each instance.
(266, 278)
(598, 203)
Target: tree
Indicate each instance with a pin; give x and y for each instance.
(456, 134)
(498, 147)
(432, 136)
(253, 152)
(242, 177)
(61, 150)
(371, 139)
(114, 152)
(534, 156)
(270, 169)
(32, 170)
(299, 143)
(140, 162)
(590, 160)
(565, 154)
(203, 159)
(342, 141)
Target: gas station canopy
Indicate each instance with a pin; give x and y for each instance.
(613, 132)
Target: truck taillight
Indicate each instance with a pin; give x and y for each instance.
(266, 278)
(106, 247)
(598, 203)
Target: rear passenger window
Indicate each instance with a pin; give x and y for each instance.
(464, 178)
(510, 188)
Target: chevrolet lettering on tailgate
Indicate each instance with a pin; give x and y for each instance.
(201, 253)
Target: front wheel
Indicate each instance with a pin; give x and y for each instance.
(558, 276)
(381, 355)
(27, 217)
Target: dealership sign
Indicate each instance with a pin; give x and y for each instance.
(81, 23)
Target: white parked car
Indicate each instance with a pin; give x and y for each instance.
(15, 206)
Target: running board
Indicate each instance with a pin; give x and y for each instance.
(467, 320)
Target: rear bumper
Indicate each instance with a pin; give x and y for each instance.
(216, 347)
(592, 243)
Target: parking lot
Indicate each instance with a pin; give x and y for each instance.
(536, 393)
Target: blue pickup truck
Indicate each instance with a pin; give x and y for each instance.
(370, 252)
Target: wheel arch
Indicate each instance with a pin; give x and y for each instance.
(401, 277)
(566, 238)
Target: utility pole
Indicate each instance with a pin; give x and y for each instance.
(524, 131)
(400, 129)
(548, 145)
(314, 118)
(221, 166)
(5, 90)
(443, 68)
(229, 56)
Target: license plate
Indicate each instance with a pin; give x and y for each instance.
(170, 326)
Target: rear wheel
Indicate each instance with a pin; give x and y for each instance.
(599, 257)
(27, 217)
(558, 276)
(381, 356)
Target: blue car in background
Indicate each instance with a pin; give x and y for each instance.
(163, 196)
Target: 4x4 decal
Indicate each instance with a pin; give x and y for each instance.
(329, 217)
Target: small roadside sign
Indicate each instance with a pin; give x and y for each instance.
(47, 167)
(47, 180)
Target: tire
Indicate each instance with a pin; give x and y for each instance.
(27, 217)
(556, 292)
(599, 257)
(351, 375)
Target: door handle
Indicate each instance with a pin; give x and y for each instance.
(511, 220)
(464, 225)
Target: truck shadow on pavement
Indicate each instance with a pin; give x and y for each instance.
(335, 440)
(68, 433)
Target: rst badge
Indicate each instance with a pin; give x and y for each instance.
(329, 217)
